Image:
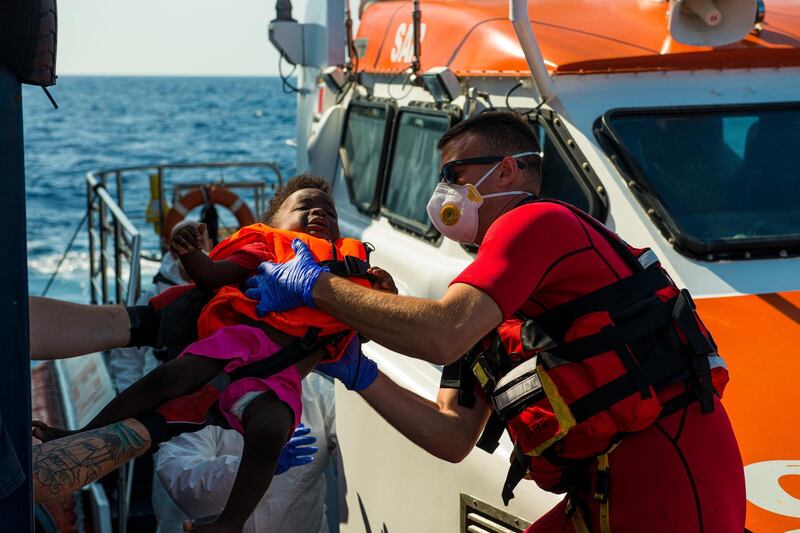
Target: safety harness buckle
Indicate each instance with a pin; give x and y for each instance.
(348, 267)
(601, 486)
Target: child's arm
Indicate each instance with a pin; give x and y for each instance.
(204, 271)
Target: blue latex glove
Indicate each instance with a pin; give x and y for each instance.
(298, 451)
(284, 286)
(355, 370)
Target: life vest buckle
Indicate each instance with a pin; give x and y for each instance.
(601, 486)
(350, 266)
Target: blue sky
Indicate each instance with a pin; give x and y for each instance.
(167, 37)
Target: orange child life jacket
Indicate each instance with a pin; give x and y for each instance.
(230, 306)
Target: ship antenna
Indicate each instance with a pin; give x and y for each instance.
(352, 53)
(283, 10)
(416, 18)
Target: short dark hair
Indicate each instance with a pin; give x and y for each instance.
(294, 184)
(503, 132)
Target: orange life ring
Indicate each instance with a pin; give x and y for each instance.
(216, 195)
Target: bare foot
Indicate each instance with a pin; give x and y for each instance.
(45, 433)
(209, 526)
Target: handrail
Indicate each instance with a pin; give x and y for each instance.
(542, 82)
(216, 164)
(100, 202)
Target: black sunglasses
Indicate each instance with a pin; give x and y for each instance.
(448, 173)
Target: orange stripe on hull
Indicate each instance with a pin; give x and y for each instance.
(759, 337)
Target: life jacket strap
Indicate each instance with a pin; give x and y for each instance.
(616, 390)
(676, 403)
(683, 314)
(516, 472)
(347, 267)
(284, 358)
(458, 375)
(635, 372)
(490, 438)
(602, 487)
(611, 298)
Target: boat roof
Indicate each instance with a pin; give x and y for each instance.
(575, 36)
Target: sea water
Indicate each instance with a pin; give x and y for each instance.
(108, 122)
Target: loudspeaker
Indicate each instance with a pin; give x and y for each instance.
(711, 22)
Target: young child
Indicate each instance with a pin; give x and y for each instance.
(264, 410)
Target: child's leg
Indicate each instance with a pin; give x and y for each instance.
(170, 380)
(267, 423)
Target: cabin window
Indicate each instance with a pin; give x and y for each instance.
(558, 179)
(414, 169)
(363, 151)
(720, 181)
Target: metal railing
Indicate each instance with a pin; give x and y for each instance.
(107, 222)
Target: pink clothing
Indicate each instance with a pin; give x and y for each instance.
(242, 345)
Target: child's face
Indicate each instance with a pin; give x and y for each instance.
(308, 211)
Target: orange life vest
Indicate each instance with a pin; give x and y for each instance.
(567, 383)
(229, 304)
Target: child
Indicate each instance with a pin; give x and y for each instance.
(265, 410)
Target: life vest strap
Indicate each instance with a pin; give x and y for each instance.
(628, 360)
(676, 403)
(654, 371)
(683, 314)
(284, 358)
(490, 438)
(659, 314)
(348, 267)
(612, 298)
(516, 472)
(458, 375)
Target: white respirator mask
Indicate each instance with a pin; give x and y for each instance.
(453, 209)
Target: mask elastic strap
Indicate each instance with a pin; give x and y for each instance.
(515, 156)
(508, 193)
(488, 173)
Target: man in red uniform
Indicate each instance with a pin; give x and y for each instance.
(681, 473)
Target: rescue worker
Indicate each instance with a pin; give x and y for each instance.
(622, 409)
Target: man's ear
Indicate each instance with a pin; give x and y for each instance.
(509, 173)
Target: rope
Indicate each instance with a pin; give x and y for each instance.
(64, 256)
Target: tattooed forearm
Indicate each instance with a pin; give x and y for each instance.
(64, 465)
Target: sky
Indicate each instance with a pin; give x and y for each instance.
(167, 37)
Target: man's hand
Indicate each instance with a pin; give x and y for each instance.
(284, 286)
(187, 238)
(355, 370)
(298, 451)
